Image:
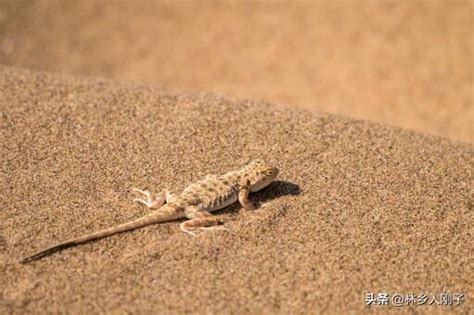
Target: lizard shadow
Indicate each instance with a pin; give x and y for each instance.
(275, 190)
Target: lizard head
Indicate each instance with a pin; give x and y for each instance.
(260, 174)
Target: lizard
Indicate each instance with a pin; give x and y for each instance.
(195, 203)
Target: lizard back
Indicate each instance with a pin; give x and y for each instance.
(210, 194)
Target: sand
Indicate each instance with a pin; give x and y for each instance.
(358, 207)
(401, 63)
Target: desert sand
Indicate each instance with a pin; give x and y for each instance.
(358, 207)
(99, 97)
(402, 63)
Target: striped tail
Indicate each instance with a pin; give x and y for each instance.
(165, 213)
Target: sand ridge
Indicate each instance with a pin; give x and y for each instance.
(358, 207)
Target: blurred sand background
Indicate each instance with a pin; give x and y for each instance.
(358, 207)
(402, 63)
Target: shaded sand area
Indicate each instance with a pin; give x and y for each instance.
(403, 63)
(358, 207)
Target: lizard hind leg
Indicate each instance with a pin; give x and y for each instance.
(150, 202)
(200, 220)
(202, 224)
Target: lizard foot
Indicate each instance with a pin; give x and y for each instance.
(202, 224)
(150, 202)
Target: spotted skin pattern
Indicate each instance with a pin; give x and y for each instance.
(195, 203)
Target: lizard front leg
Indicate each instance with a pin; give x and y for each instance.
(200, 219)
(244, 192)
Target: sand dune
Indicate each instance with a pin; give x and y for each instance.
(358, 207)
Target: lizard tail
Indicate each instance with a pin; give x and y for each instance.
(166, 213)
